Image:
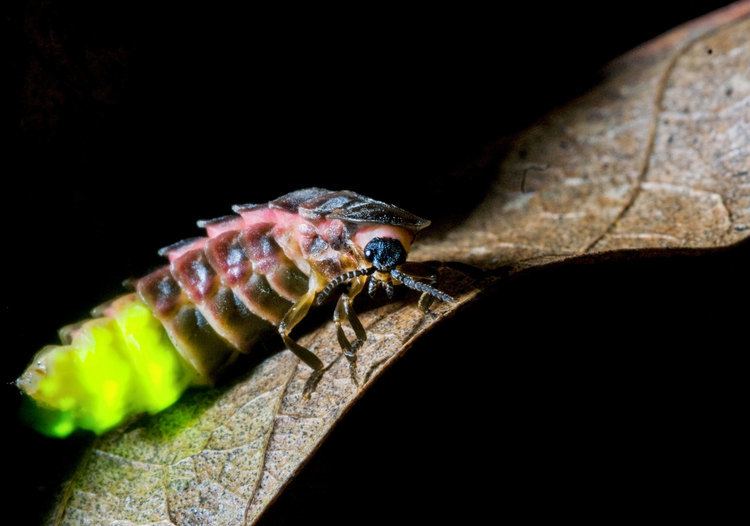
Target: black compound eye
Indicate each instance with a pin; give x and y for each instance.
(385, 253)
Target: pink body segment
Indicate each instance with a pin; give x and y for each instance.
(260, 269)
(220, 293)
(224, 291)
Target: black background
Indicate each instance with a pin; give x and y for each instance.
(591, 391)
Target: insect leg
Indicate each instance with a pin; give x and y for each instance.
(343, 310)
(425, 300)
(372, 287)
(295, 314)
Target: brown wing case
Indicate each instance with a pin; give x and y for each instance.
(319, 203)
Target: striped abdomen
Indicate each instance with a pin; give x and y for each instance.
(186, 321)
(218, 294)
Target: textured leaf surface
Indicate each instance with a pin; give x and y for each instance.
(657, 156)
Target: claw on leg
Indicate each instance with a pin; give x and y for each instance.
(312, 383)
(350, 352)
(425, 300)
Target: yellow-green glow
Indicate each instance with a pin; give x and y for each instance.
(114, 367)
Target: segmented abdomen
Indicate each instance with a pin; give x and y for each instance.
(218, 295)
(187, 320)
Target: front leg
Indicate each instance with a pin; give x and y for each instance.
(429, 277)
(293, 316)
(345, 310)
(425, 301)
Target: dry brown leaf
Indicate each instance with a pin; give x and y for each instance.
(655, 157)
